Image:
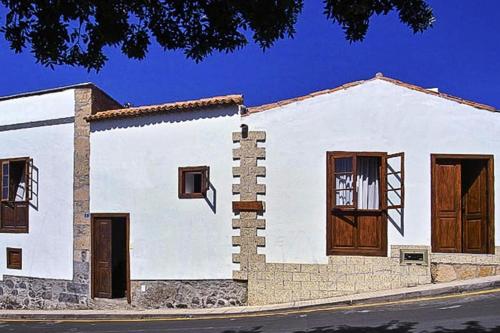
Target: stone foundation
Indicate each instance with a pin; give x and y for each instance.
(448, 267)
(281, 283)
(188, 294)
(33, 293)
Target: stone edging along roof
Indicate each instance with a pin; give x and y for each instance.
(175, 106)
(379, 76)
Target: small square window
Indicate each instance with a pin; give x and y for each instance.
(193, 182)
(14, 258)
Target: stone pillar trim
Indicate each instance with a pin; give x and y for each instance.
(81, 191)
(88, 100)
(248, 222)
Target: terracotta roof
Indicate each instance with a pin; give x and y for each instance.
(379, 76)
(168, 107)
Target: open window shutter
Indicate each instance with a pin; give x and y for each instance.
(395, 181)
(206, 179)
(29, 177)
(5, 181)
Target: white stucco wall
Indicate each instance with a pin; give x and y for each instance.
(134, 167)
(375, 116)
(48, 247)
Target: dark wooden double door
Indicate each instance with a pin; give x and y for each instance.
(110, 256)
(461, 194)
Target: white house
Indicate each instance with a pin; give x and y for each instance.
(376, 184)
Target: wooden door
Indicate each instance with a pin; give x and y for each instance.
(474, 206)
(446, 194)
(102, 257)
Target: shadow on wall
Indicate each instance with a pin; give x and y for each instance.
(390, 327)
(397, 219)
(164, 117)
(211, 198)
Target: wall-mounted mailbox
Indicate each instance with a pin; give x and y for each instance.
(414, 257)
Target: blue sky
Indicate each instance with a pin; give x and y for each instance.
(460, 55)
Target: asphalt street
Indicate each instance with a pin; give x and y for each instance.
(470, 314)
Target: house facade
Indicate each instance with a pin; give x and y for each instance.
(377, 184)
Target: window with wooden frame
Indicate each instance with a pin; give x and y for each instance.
(14, 258)
(193, 182)
(15, 194)
(361, 188)
(357, 182)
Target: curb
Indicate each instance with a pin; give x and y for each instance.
(411, 293)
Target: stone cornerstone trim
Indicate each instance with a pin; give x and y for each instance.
(248, 172)
(284, 282)
(447, 267)
(188, 294)
(81, 191)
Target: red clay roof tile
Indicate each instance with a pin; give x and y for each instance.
(176, 106)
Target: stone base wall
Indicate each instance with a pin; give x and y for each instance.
(280, 283)
(448, 267)
(188, 294)
(33, 293)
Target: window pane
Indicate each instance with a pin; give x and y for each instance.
(192, 182)
(344, 198)
(18, 180)
(5, 181)
(343, 165)
(344, 193)
(368, 178)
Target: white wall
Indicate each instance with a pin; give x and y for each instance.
(48, 247)
(375, 116)
(38, 107)
(134, 166)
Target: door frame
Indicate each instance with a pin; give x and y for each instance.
(126, 216)
(490, 186)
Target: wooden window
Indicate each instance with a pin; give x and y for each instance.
(193, 182)
(358, 200)
(15, 175)
(14, 258)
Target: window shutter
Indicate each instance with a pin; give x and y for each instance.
(29, 182)
(395, 181)
(5, 181)
(206, 179)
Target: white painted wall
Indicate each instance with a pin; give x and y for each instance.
(38, 107)
(48, 247)
(375, 116)
(134, 166)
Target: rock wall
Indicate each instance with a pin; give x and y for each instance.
(188, 294)
(32, 293)
(448, 267)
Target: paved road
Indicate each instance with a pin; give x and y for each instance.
(472, 314)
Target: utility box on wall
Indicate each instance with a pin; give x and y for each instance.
(414, 257)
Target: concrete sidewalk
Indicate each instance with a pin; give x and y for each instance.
(430, 290)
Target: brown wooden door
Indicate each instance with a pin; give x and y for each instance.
(447, 222)
(474, 207)
(102, 257)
